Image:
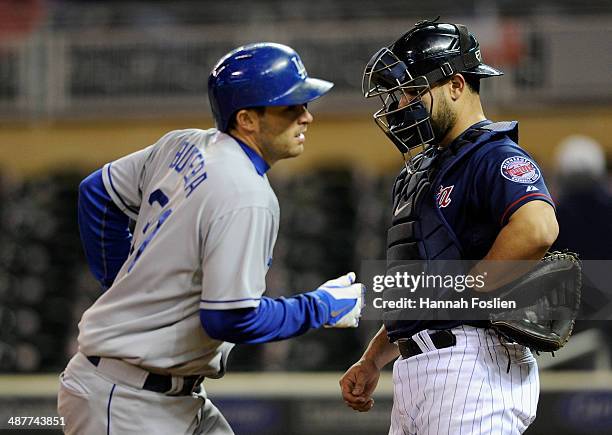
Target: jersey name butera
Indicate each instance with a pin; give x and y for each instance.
(189, 162)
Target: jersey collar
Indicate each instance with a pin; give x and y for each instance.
(473, 126)
(458, 142)
(260, 164)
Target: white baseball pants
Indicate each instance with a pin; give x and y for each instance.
(465, 389)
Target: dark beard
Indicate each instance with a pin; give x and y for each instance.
(443, 122)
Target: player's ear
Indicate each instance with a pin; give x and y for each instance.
(247, 120)
(456, 86)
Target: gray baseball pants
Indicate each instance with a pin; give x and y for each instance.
(98, 400)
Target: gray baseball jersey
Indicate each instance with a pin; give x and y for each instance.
(206, 224)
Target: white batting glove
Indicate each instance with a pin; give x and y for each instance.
(345, 299)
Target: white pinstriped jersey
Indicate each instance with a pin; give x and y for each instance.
(206, 225)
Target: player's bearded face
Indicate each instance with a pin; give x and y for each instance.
(443, 117)
(281, 131)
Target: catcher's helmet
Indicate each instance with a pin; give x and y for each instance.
(260, 74)
(427, 54)
(439, 50)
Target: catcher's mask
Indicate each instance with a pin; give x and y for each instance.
(403, 117)
(426, 55)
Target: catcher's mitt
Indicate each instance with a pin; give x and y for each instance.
(548, 301)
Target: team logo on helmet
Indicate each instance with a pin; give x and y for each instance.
(301, 69)
(520, 169)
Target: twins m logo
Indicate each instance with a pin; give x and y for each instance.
(443, 196)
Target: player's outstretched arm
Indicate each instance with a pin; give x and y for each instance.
(361, 379)
(336, 304)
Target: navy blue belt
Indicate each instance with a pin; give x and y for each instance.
(163, 383)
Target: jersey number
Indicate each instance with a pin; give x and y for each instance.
(161, 198)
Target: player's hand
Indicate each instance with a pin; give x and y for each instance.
(358, 384)
(345, 299)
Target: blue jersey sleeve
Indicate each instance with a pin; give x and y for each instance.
(271, 320)
(104, 230)
(276, 319)
(506, 178)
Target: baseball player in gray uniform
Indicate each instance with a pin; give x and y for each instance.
(188, 283)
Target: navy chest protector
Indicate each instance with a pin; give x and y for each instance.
(419, 234)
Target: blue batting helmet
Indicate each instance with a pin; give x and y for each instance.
(260, 74)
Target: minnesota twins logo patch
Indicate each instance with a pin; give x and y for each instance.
(443, 196)
(520, 169)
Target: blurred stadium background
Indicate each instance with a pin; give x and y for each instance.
(84, 82)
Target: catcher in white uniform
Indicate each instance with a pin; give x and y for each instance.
(188, 283)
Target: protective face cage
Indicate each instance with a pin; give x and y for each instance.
(403, 117)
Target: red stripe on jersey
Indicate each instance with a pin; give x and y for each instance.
(519, 200)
